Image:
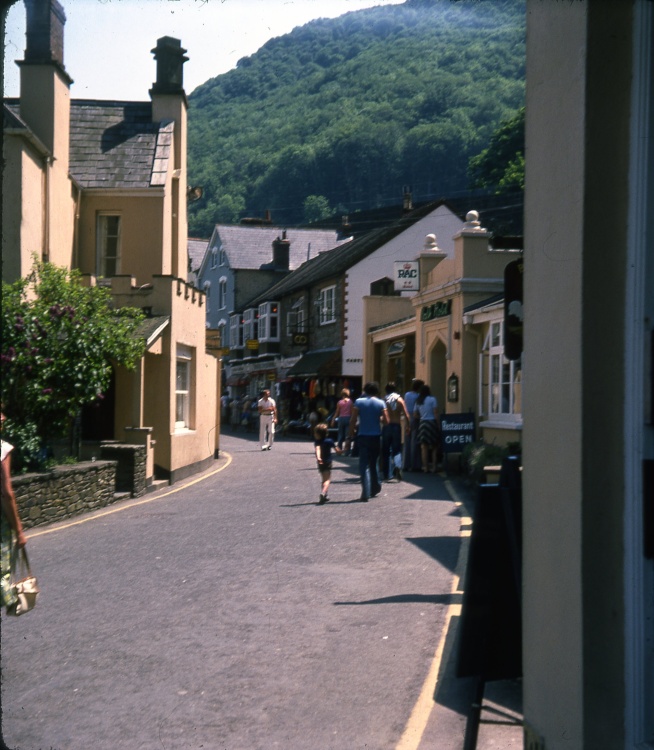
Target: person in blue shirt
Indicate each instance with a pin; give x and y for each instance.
(369, 413)
(324, 446)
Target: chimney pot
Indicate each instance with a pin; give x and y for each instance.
(170, 57)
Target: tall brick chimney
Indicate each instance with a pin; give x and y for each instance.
(281, 252)
(44, 32)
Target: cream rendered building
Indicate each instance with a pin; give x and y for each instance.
(101, 186)
(588, 439)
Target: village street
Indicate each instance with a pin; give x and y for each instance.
(230, 611)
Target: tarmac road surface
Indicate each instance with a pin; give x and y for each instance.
(231, 612)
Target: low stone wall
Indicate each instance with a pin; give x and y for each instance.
(131, 469)
(65, 491)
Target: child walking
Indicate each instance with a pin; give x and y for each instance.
(324, 446)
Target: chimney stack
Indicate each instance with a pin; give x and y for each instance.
(44, 32)
(170, 58)
(281, 253)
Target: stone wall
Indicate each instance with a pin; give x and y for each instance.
(131, 469)
(65, 491)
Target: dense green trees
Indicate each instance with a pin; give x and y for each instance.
(354, 108)
(59, 341)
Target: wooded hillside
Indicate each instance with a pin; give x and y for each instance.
(347, 111)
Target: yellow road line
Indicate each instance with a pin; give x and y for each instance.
(129, 506)
(417, 723)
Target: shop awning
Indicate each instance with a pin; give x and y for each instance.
(234, 380)
(316, 363)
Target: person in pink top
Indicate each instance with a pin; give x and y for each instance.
(343, 414)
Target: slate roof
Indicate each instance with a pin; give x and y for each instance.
(251, 247)
(12, 123)
(196, 252)
(339, 260)
(115, 144)
(500, 214)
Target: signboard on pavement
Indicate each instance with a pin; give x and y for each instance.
(457, 430)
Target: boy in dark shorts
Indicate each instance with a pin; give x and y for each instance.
(324, 446)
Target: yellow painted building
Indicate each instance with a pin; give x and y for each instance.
(449, 334)
(102, 186)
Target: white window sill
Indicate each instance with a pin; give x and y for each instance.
(494, 423)
(183, 431)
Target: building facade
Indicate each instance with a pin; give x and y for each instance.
(101, 186)
(588, 445)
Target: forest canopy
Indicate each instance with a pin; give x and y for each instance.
(341, 114)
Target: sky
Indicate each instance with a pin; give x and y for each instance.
(107, 43)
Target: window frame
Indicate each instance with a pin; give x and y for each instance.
(222, 293)
(500, 383)
(184, 391)
(101, 237)
(250, 325)
(327, 307)
(269, 321)
(236, 338)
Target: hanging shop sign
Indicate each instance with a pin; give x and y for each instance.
(457, 430)
(406, 274)
(437, 310)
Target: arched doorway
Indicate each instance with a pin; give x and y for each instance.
(437, 373)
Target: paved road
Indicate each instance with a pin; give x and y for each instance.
(231, 612)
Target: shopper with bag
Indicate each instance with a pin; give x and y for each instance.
(11, 525)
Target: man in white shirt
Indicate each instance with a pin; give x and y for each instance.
(267, 408)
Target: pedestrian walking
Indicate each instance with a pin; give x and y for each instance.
(342, 416)
(411, 448)
(391, 437)
(429, 434)
(324, 445)
(368, 414)
(11, 524)
(267, 408)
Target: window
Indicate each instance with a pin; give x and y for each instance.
(223, 256)
(250, 325)
(236, 332)
(183, 385)
(207, 290)
(108, 245)
(222, 293)
(502, 378)
(269, 321)
(214, 257)
(327, 305)
(295, 318)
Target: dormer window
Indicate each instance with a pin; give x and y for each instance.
(214, 257)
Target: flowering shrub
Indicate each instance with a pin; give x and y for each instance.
(59, 341)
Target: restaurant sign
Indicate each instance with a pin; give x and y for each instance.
(437, 310)
(457, 431)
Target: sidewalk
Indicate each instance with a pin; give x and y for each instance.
(500, 721)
